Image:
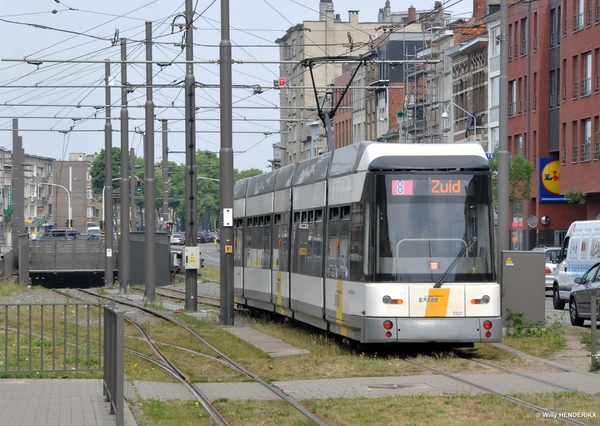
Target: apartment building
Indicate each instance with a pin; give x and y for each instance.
(553, 119)
(314, 41)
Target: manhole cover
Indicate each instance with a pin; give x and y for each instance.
(389, 386)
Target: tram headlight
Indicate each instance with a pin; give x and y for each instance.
(389, 301)
(483, 301)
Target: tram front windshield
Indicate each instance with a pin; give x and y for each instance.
(433, 226)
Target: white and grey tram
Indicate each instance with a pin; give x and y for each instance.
(375, 242)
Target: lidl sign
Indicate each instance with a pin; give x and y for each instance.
(550, 181)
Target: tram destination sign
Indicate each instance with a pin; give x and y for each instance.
(429, 187)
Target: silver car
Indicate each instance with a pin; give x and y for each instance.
(552, 253)
(580, 306)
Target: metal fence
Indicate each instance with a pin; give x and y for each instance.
(114, 364)
(51, 337)
(59, 337)
(55, 255)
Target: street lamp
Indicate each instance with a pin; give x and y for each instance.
(446, 115)
(69, 215)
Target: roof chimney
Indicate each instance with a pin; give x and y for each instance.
(412, 14)
(324, 7)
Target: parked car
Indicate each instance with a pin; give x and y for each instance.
(552, 253)
(178, 239)
(580, 251)
(580, 306)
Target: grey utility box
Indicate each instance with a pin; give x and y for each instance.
(524, 285)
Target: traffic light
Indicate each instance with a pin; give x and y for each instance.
(69, 223)
(169, 228)
(102, 225)
(138, 187)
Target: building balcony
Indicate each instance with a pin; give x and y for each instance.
(586, 152)
(586, 87)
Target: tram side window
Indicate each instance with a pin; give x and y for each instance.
(258, 242)
(307, 240)
(248, 242)
(338, 247)
(357, 245)
(238, 243)
(280, 241)
(266, 243)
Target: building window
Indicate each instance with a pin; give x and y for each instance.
(586, 81)
(554, 27)
(578, 18)
(495, 138)
(495, 40)
(495, 91)
(553, 89)
(586, 143)
(524, 36)
(519, 144)
(574, 135)
(512, 102)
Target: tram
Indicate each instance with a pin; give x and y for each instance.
(375, 242)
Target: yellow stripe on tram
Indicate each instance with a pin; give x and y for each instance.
(437, 302)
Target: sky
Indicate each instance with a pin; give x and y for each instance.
(57, 95)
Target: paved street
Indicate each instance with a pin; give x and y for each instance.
(554, 315)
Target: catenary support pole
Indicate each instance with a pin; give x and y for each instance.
(503, 143)
(165, 173)
(132, 181)
(226, 172)
(149, 185)
(124, 243)
(108, 188)
(191, 186)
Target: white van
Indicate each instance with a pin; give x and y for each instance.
(580, 251)
(93, 230)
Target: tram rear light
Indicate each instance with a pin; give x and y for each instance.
(487, 325)
(434, 265)
(488, 334)
(388, 325)
(388, 334)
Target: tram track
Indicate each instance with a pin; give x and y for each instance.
(170, 368)
(540, 411)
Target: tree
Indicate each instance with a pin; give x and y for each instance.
(520, 172)
(98, 167)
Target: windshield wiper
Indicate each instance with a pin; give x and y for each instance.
(464, 250)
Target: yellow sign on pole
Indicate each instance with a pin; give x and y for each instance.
(228, 249)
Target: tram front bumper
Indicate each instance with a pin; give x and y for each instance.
(430, 330)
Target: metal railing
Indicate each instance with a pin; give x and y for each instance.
(114, 347)
(578, 22)
(585, 151)
(586, 87)
(51, 337)
(61, 337)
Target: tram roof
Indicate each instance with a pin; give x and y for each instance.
(370, 156)
(367, 156)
